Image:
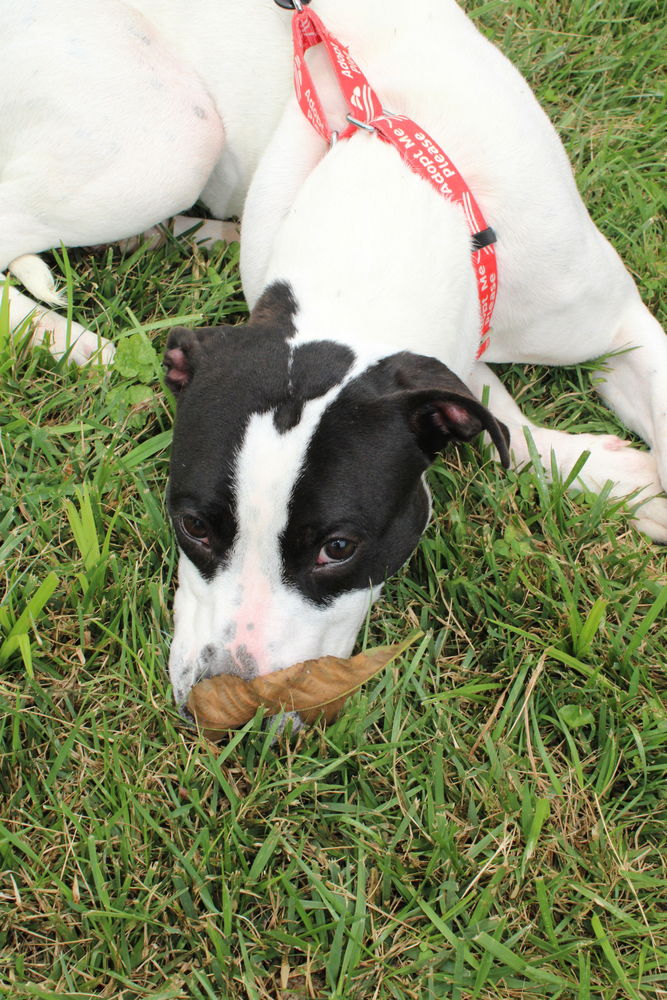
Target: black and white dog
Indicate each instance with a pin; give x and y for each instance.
(301, 438)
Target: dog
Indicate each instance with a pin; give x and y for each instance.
(301, 438)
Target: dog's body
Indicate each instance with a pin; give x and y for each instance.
(301, 439)
(112, 117)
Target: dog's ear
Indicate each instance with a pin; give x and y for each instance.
(440, 407)
(187, 349)
(180, 357)
(437, 417)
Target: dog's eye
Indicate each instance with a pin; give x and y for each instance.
(195, 528)
(336, 550)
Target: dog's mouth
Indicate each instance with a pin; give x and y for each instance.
(316, 689)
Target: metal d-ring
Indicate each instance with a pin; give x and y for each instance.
(292, 4)
(365, 125)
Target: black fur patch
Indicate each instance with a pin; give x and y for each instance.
(314, 369)
(362, 477)
(361, 480)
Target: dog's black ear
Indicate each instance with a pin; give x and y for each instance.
(186, 351)
(441, 408)
(180, 357)
(437, 417)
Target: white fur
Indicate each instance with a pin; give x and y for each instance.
(381, 290)
(36, 276)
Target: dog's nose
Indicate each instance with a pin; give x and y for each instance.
(236, 659)
(186, 714)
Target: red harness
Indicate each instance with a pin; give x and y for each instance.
(416, 146)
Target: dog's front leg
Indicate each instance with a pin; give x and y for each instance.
(633, 473)
(633, 380)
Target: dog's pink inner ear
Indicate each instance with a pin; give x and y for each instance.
(457, 420)
(177, 369)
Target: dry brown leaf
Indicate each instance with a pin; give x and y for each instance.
(313, 688)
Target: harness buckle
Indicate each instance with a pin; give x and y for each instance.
(292, 4)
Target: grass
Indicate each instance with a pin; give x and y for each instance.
(488, 819)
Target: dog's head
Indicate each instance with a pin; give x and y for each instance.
(296, 487)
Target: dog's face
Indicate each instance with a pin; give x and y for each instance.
(296, 487)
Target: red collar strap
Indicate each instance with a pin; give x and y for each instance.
(416, 146)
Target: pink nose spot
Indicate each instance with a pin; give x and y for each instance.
(252, 635)
(252, 616)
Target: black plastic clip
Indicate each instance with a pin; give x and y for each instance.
(484, 239)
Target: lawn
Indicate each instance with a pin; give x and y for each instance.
(488, 818)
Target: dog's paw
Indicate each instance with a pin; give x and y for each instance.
(208, 232)
(634, 475)
(651, 519)
(81, 346)
(91, 348)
